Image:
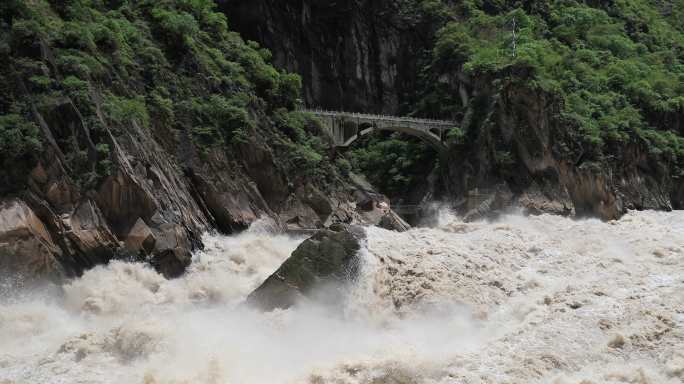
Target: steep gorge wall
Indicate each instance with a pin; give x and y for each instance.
(353, 55)
(368, 55)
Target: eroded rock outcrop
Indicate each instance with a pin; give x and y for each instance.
(518, 154)
(140, 238)
(151, 210)
(171, 253)
(143, 210)
(26, 246)
(327, 261)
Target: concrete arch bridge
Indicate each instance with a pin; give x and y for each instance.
(347, 127)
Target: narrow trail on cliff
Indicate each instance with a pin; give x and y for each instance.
(542, 299)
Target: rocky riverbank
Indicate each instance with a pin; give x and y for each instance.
(112, 155)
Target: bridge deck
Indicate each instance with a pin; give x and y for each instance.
(373, 117)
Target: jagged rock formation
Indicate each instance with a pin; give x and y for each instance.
(128, 129)
(26, 246)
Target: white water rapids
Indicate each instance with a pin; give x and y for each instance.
(540, 299)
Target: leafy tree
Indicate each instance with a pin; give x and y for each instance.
(18, 137)
(393, 164)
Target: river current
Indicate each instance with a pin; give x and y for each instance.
(540, 299)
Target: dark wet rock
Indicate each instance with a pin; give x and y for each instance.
(317, 200)
(228, 204)
(366, 203)
(123, 200)
(298, 215)
(678, 193)
(327, 259)
(89, 232)
(171, 253)
(393, 222)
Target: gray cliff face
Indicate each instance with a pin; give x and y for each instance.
(352, 55)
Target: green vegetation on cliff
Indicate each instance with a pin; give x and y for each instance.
(96, 68)
(616, 67)
(394, 163)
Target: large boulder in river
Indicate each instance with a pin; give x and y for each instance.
(171, 254)
(327, 259)
(26, 247)
(140, 238)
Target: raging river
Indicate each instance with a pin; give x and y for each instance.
(539, 299)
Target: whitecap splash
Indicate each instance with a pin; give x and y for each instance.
(539, 299)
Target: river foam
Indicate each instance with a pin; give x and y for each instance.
(541, 299)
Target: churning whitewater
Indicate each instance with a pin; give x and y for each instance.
(541, 299)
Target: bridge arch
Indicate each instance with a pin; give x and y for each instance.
(345, 127)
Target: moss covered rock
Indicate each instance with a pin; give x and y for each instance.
(327, 259)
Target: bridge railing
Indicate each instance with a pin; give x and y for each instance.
(380, 117)
(318, 111)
